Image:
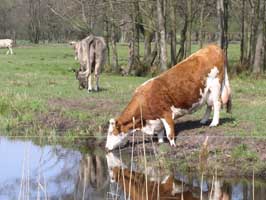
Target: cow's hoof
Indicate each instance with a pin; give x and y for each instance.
(89, 91)
(172, 143)
(213, 124)
(160, 141)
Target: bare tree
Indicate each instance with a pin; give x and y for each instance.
(162, 35)
(35, 20)
(258, 56)
(113, 39)
(173, 17)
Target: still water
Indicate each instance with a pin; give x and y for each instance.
(29, 171)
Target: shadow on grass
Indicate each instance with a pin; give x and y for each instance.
(195, 124)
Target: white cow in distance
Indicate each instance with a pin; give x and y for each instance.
(7, 43)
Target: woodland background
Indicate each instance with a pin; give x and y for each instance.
(157, 33)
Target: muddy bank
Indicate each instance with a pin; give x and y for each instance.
(228, 156)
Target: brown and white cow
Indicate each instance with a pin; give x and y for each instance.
(90, 52)
(201, 78)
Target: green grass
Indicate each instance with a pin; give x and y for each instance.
(243, 152)
(37, 75)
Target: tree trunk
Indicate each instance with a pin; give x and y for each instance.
(202, 9)
(114, 50)
(134, 41)
(147, 43)
(106, 36)
(220, 10)
(253, 32)
(149, 34)
(173, 32)
(258, 56)
(189, 32)
(243, 41)
(35, 23)
(181, 53)
(162, 35)
(113, 41)
(137, 22)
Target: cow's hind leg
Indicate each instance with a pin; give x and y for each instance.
(169, 126)
(214, 99)
(97, 73)
(96, 77)
(206, 115)
(90, 82)
(160, 136)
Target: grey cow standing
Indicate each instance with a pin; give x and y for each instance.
(91, 53)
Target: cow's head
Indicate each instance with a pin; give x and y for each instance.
(115, 136)
(83, 82)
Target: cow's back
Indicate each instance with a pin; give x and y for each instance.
(187, 79)
(182, 85)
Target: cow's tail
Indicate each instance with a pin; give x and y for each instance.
(85, 73)
(226, 90)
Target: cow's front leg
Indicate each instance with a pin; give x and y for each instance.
(216, 113)
(169, 126)
(90, 82)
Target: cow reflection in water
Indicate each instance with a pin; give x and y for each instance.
(166, 189)
(133, 185)
(92, 176)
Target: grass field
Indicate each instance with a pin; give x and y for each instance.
(39, 96)
(39, 93)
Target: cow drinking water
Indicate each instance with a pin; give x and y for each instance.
(156, 104)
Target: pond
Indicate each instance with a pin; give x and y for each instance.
(30, 171)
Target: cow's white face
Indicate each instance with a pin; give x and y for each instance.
(114, 136)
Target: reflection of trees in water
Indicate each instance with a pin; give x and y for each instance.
(92, 177)
(66, 173)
